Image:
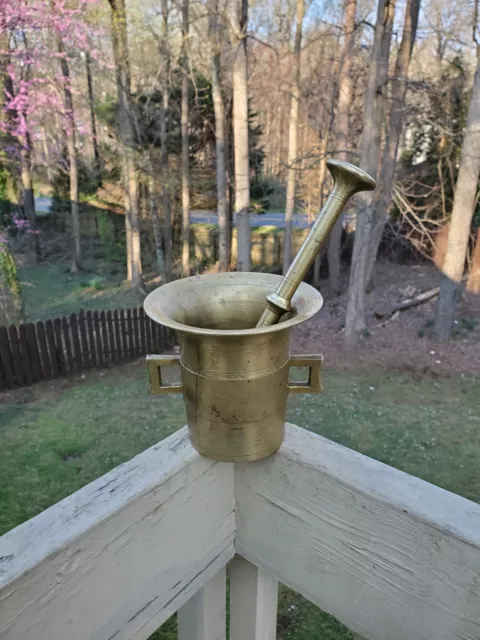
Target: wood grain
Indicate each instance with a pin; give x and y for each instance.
(17, 362)
(389, 555)
(86, 357)
(27, 363)
(34, 352)
(44, 355)
(6, 358)
(253, 602)
(204, 616)
(120, 556)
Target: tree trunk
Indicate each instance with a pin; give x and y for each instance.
(166, 204)
(157, 229)
(345, 91)
(72, 155)
(128, 133)
(473, 283)
(374, 108)
(220, 147)
(292, 137)
(185, 147)
(383, 194)
(322, 174)
(29, 202)
(462, 213)
(97, 163)
(238, 21)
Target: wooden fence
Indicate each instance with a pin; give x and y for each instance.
(33, 352)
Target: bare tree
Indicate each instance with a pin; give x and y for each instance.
(166, 204)
(128, 130)
(463, 208)
(238, 28)
(374, 108)
(322, 174)
(97, 162)
(345, 90)
(185, 147)
(292, 136)
(220, 149)
(71, 152)
(157, 231)
(383, 194)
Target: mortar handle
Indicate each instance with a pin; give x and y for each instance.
(314, 382)
(155, 364)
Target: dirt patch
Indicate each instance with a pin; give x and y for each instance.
(404, 343)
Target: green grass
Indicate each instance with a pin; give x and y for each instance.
(51, 291)
(55, 438)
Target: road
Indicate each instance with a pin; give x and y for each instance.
(270, 218)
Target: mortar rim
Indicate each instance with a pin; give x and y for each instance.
(305, 290)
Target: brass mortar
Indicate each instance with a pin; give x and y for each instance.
(234, 377)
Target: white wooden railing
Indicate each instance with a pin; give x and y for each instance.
(391, 556)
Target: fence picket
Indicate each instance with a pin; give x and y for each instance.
(91, 340)
(34, 352)
(57, 330)
(82, 331)
(127, 315)
(44, 355)
(27, 365)
(117, 320)
(148, 334)
(98, 339)
(76, 342)
(141, 322)
(155, 336)
(111, 336)
(5, 357)
(105, 336)
(68, 346)
(135, 333)
(16, 355)
(52, 348)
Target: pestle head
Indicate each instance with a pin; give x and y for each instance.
(345, 173)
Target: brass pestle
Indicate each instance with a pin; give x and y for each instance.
(348, 180)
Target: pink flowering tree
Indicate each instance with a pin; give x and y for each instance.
(38, 41)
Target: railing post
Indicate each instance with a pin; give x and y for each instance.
(203, 617)
(253, 602)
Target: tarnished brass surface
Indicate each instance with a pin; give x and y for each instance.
(348, 180)
(234, 376)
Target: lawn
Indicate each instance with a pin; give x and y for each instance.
(55, 438)
(51, 291)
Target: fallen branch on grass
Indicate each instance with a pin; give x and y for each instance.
(409, 302)
(412, 302)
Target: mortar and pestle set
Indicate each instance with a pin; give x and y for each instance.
(233, 331)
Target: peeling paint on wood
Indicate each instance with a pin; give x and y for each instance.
(389, 555)
(204, 616)
(253, 602)
(121, 555)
